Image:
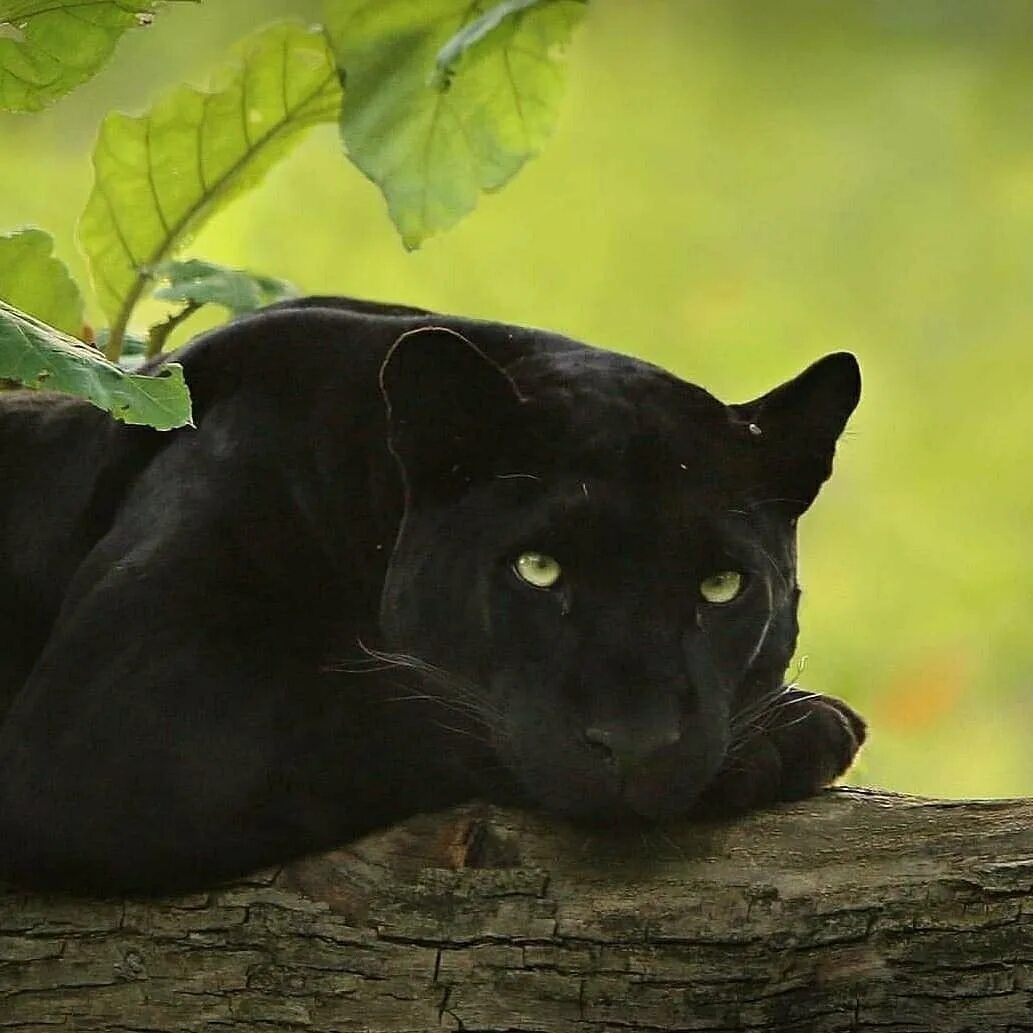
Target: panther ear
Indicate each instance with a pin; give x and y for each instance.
(448, 408)
(795, 428)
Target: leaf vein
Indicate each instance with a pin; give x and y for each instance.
(201, 174)
(119, 234)
(517, 103)
(149, 152)
(211, 194)
(221, 181)
(19, 17)
(244, 102)
(284, 100)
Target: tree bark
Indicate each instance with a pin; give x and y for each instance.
(853, 911)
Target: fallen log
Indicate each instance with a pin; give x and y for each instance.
(856, 910)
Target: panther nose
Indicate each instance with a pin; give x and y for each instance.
(625, 749)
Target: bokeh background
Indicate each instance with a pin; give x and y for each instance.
(734, 189)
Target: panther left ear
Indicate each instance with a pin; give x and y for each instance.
(795, 428)
(448, 407)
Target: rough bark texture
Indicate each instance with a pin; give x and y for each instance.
(853, 911)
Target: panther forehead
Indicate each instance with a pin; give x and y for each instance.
(582, 377)
(604, 412)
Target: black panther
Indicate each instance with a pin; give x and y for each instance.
(404, 560)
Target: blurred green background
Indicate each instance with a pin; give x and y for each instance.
(734, 189)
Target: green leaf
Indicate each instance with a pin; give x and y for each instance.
(196, 282)
(430, 145)
(39, 356)
(160, 176)
(32, 280)
(51, 46)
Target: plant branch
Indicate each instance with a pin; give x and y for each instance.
(159, 333)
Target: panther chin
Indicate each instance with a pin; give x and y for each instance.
(659, 789)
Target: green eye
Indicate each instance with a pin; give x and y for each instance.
(537, 569)
(721, 588)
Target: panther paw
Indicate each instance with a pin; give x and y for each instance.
(803, 743)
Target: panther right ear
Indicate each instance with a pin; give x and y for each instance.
(448, 408)
(797, 426)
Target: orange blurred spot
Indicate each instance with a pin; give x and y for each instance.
(924, 693)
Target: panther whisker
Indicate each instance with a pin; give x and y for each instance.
(758, 707)
(465, 709)
(806, 698)
(461, 731)
(764, 721)
(786, 587)
(463, 697)
(770, 501)
(754, 720)
(790, 724)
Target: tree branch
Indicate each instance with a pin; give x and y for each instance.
(853, 911)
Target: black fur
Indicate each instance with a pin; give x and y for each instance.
(229, 646)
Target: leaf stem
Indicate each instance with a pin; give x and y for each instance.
(159, 333)
(117, 331)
